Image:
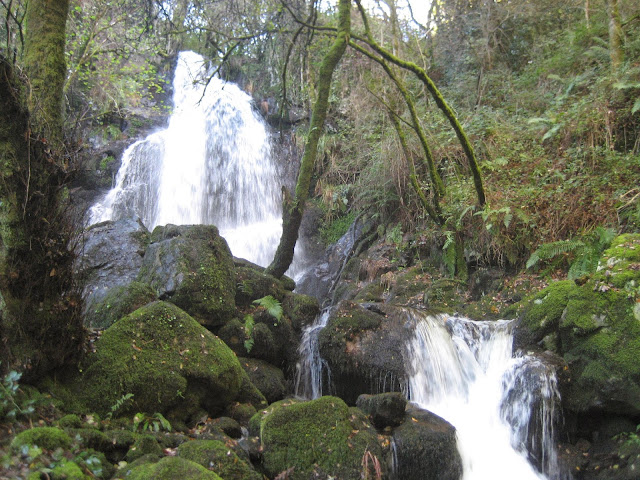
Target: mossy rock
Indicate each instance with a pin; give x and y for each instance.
(301, 309)
(425, 448)
(67, 470)
(144, 445)
(49, 438)
(597, 330)
(70, 421)
(234, 335)
(363, 345)
(167, 361)
(91, 438)
(543, 312)
(191, 266)
(252, 284)
(117, 303)
(266, 377)
(172, 468)
(321, 438)
(241, 412)
(217, 456)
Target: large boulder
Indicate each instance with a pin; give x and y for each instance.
(595, 327)
(191, 266)
(266, 377)
(425, 448)
(109, 255)
(363, 347)
(321, 438)
(171, 468)
(217, 456)
(167, 360)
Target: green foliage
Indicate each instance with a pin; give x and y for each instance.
(332, 230)
(582, 253)
(151, 423)
(271, 305)
(249, 323)
(12, 404)
(629, 439)
(121, 402)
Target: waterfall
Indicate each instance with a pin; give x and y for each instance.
(503, 407)
(311, 369)
(211, 165)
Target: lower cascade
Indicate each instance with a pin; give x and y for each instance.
(503, 406)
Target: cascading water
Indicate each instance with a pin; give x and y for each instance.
(503, 407)
(211, 165)
(312, 370)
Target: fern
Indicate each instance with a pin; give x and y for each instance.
(271, 305)
(585, 252)
(119, 404)
(449, 253)
(248, 331)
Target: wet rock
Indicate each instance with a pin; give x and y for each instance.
(109, 256)
(364, 349)
(384, 409)
(425, 448)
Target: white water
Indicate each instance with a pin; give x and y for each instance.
(464, 372)
(311, 369)
(211, 165)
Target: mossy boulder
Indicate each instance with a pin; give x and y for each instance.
(144, 445)
(425, 448)
(321, 438)
(266, 377)
(191, 266)
(167, 360)
(384, 409)
(216, 455)
(253, 283)
(301, 309)
(172, 468)
(597, 329)
(67, 470)
(118, 302)
(49, 438)
(363, 345)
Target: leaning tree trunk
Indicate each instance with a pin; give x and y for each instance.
(40, 324)
(293, 209)
(616, 52)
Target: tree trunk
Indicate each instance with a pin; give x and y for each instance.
(45, 65)
(615, 34)
(41, 325)
(292, 209)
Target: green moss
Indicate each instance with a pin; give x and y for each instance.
(48, 438)
(120, 301)
(70, 421)
(161, 355)
(144, 445)
(172, 468)
(301, 309)
(217, 456)
(266, 377)
(68, 470)
(192, 267)
(545, 309)
(253, 284)
(321, 437)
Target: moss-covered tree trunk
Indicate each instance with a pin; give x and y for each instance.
(615, 34)
(41, 325)
(293, 209)
(45, 66)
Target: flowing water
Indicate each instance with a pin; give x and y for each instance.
(503, 407)
(211, 165)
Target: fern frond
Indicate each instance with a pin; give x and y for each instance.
(547, 251)
(271, 305)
